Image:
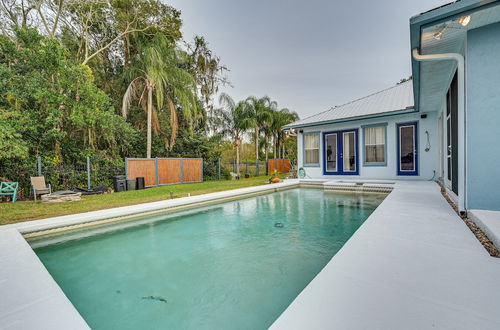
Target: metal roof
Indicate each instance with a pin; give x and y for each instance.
(393, 99)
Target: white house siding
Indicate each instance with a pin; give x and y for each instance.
(428, 162)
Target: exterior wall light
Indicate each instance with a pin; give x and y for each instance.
(438, 35)
(464, 21)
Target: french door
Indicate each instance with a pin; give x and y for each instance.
(340, 152)
(407, 155)
(451, 178)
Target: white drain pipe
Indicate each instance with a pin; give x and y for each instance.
(461, 117)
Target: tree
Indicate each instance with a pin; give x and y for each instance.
(258, 113)
(158, 72)
(267, 126)
(208, 71)
(12, 144)
(233, 121)
(280, 119)
(51, 105)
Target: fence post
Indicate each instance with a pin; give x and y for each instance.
(39, 165)
(126, 168)
(88, 173)
(234, 166)
(156, 172)
(246, 167)
(257, 171)
(218, 168)
(182, 170)
(267, 167)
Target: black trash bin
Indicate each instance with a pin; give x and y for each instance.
(119, 183)
(131, 184)
(140, 183)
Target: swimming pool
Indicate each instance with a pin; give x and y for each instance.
(234, 265)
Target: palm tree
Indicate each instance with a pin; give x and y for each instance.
(267, 126)
(258, 110)
(233, 121)
(158, 72)
(280, 119)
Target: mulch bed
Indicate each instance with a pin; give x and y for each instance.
(480, 235)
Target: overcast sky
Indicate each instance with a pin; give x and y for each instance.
(308, 55)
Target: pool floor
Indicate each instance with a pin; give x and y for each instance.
(235, 265)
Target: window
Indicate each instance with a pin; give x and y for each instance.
(375, 145)
(311, 149)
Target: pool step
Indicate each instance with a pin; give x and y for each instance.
(358, 186)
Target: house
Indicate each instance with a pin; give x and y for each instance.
(441, 125)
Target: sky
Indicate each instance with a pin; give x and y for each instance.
(308, 55)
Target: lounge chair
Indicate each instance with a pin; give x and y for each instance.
(94, 191)
(39, 186)
(9, 189)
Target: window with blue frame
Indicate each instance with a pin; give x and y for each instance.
(311, 149)
(375, 152)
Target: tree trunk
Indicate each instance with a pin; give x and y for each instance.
(237, 157)
(267, 148)
(126, 46)
(274, 145)
(150, 115)
(283, 146)
(278, 146)
(256, 144)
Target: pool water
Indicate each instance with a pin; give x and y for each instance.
(234, 265)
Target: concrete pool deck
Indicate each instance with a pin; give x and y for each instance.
(412, 264)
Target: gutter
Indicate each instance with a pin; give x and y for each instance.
(462, 175)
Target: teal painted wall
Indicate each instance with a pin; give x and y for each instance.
(483, 117)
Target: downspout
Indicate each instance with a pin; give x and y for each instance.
(462, 205)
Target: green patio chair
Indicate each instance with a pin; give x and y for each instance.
(9, 189)
(303, 174)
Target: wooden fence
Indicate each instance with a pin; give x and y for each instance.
(164, 171)
(281, 165)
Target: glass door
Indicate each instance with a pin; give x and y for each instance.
(349, 153)
(331, 152)
(341, 153)
(407, 149)
(452, 137)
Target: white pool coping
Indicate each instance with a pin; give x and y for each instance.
(29, 296)
(413, 264)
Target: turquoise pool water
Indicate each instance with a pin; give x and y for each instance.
(227, 266)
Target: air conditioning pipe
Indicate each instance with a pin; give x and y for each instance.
(462, 144)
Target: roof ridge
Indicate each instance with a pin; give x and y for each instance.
(358, 99)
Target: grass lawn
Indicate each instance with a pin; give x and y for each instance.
(23, 211)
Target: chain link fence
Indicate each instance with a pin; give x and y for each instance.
(96, 172)
(62, 177)
(218, 170)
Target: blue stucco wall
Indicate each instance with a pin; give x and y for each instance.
(428, 160)
(483, 117)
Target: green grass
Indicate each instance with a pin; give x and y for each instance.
(24, 211)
